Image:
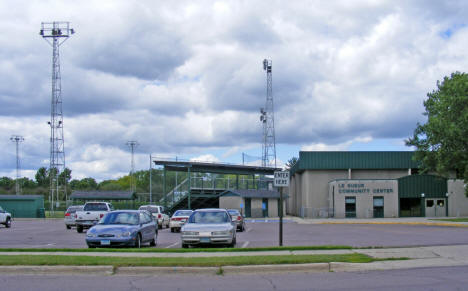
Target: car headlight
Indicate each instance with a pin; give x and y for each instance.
(90, 234)
(190, 233)
(221, 233)
(126, 234)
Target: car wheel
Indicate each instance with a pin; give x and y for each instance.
(8, 223)
(91, 247)
(159, 226)
(154, 241)
(234, 241)
(241, 229)
(79, 228)
(68, 227)
(185, 246)
(172, 229)
(138, 241)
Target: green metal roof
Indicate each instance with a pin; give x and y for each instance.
(354, 160)
(413, 186)
(206, 167)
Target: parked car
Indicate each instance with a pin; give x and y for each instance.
(209, 226)
(70, 215)
(159, 213)
(238, 218)
(91, 214)
(178, 219)
(123, 228)
(5, 218)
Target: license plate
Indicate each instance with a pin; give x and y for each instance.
(205, 239)
(105, 242)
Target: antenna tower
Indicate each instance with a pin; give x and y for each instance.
(268, 121)
(132, 144)
(56, 33)
(17, 139)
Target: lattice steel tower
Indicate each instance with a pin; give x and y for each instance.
(132, 144)
(268, 121)
(56, 33)
(17, 139)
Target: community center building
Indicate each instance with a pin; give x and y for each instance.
(370, 184)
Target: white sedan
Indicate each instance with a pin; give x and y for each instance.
(178, 219)
(209, 226)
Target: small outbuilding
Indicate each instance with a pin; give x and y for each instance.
(23, 206)
(253, 203)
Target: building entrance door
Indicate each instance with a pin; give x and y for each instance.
(436, 207)
(265, 207)
(378, 207)
(350, 207)
(248, 207)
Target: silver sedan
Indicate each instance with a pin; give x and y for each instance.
(209, 226)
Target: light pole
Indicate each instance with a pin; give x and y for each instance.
(17, 139)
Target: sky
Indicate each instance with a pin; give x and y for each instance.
(185, 78)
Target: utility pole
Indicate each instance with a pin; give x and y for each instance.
(132, 144)
(17, 139)
(268, 121)
(56, 33)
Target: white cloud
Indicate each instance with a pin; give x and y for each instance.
(185, 78)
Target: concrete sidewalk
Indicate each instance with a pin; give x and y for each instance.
(420, 257)
(433, 221)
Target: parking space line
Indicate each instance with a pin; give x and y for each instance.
(245, 244)
(249, 229)
(172, 245)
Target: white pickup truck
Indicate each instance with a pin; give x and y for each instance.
(5, 218)
(91, 214)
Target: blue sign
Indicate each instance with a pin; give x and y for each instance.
(264, 206)
(242, 205)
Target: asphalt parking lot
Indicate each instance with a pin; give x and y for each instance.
(51, 233)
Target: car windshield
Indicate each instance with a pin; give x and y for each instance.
(183, 213)
(149, 209)
(234, 212)
(95, 207)
(209, 217)
(120, 218)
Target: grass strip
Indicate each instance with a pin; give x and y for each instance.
(46, 260)
(193, 250)
(453, 219)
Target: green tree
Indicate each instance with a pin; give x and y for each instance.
(42, 177)
(442, 142)
(65, 176)
(291, 162)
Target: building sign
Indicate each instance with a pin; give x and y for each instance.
(364, 188)
(281, 179)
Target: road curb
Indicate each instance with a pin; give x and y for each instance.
(40, 270)
(280, 268)
(165, 270)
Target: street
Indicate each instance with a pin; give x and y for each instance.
(445, 278)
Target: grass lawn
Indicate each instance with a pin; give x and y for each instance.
(464, 219)
(192, 250)
(55, 214)
(53, 260)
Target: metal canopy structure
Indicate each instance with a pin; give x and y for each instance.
(218, 168)
(197, 192)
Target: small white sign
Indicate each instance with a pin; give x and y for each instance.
(281, 179)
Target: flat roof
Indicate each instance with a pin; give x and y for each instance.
(366, 160)
(220, 168)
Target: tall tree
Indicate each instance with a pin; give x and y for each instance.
(291, 162)
(42, 177)
(442, 142)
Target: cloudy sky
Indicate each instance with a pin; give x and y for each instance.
(185, 78)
